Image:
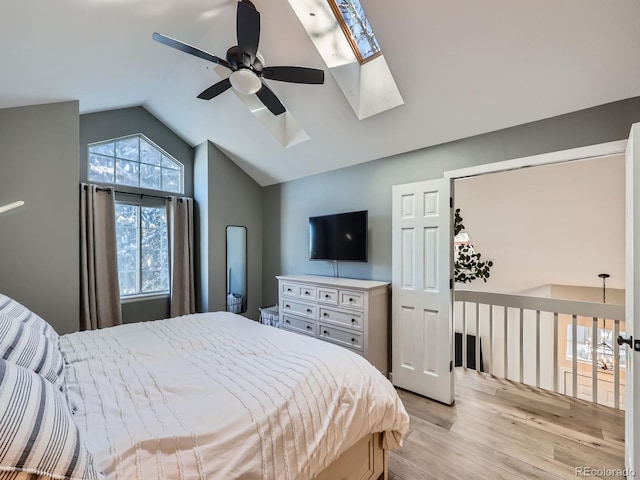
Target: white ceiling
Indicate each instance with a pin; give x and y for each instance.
(463, 68)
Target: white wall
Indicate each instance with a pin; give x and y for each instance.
(557, 224)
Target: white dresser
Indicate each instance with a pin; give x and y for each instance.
(348, 312)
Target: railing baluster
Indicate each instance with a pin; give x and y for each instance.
(616, 365)
(573, 309)
(506, 342)
(491, 339)
(574, 352)
(594, 361)
(538, 348)
(478, 366)
(555, 352)
(521, 345)
(464, 335)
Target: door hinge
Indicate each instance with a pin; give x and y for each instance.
(451, 284)
(451, 366)
(450, 202)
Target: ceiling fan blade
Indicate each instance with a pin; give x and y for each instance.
(270, 100)
(294, 74)
(191, 50)
(215, 89)
(248, 29)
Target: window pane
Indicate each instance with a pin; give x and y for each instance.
(168, 163)
(171, 180)
(150, 176)
(127, 247)
(100, 168)
(135, 162)
(154, 249)
(103, 149)
(127, 283)
(128, 148)
(148, 153)
(127, 173)
(358, 25)
(151, 281)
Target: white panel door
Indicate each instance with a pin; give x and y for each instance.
(632, 298)
(422, 346)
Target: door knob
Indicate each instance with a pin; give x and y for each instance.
(621, 340)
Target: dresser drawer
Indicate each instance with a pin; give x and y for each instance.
(350, 339)
(307, 292)
(344, 317)
(351, 299)
(299, 308)
(328, 295)
(298, 325)
(290, 289)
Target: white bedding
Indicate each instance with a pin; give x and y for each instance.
(218, 396)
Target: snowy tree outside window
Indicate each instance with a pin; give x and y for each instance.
(357, 28)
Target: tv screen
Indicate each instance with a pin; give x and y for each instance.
(341, 236)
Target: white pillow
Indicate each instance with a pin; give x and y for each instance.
(37, 433)
(28, 348)
(26, 316)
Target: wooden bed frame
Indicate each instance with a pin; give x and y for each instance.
(366, 460)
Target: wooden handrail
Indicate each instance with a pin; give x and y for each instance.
(554, 305)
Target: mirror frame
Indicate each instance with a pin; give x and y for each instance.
(228, 291)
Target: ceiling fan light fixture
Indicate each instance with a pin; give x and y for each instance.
(245, 81)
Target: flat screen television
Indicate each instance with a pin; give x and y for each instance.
(341, 236)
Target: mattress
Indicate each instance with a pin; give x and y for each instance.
(218, 396)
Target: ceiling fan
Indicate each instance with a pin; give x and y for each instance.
(246, 64)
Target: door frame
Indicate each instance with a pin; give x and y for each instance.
(581, 153)
(574, 154)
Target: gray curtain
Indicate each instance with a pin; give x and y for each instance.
(180, 223)
(99, 290)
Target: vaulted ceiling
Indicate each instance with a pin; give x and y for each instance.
(463, 68)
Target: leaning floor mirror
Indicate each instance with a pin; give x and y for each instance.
(236, 269)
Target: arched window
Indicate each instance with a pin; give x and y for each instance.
(134, 161)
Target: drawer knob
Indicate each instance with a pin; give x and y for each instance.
(325, 332)
(308, 327)
(353, 340)
(287, 306)
(307, 293)
(308, 310)
(353, 320)
(327, 296)
(287, 321)
(289, 290)
(325, 314)
(351, 299)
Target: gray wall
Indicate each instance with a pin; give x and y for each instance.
(39, 257)
(99, 126)
(288, 206)
(228, 196)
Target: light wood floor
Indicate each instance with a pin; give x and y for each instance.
(501, 429)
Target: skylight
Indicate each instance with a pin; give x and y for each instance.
(356, 28)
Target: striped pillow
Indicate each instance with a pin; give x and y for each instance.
(37, 432)
(30, 349)
(26, 316)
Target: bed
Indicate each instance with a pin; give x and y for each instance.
(213, 396)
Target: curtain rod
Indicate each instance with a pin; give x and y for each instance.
(111, 189)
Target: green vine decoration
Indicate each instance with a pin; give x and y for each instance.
(468, 265)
